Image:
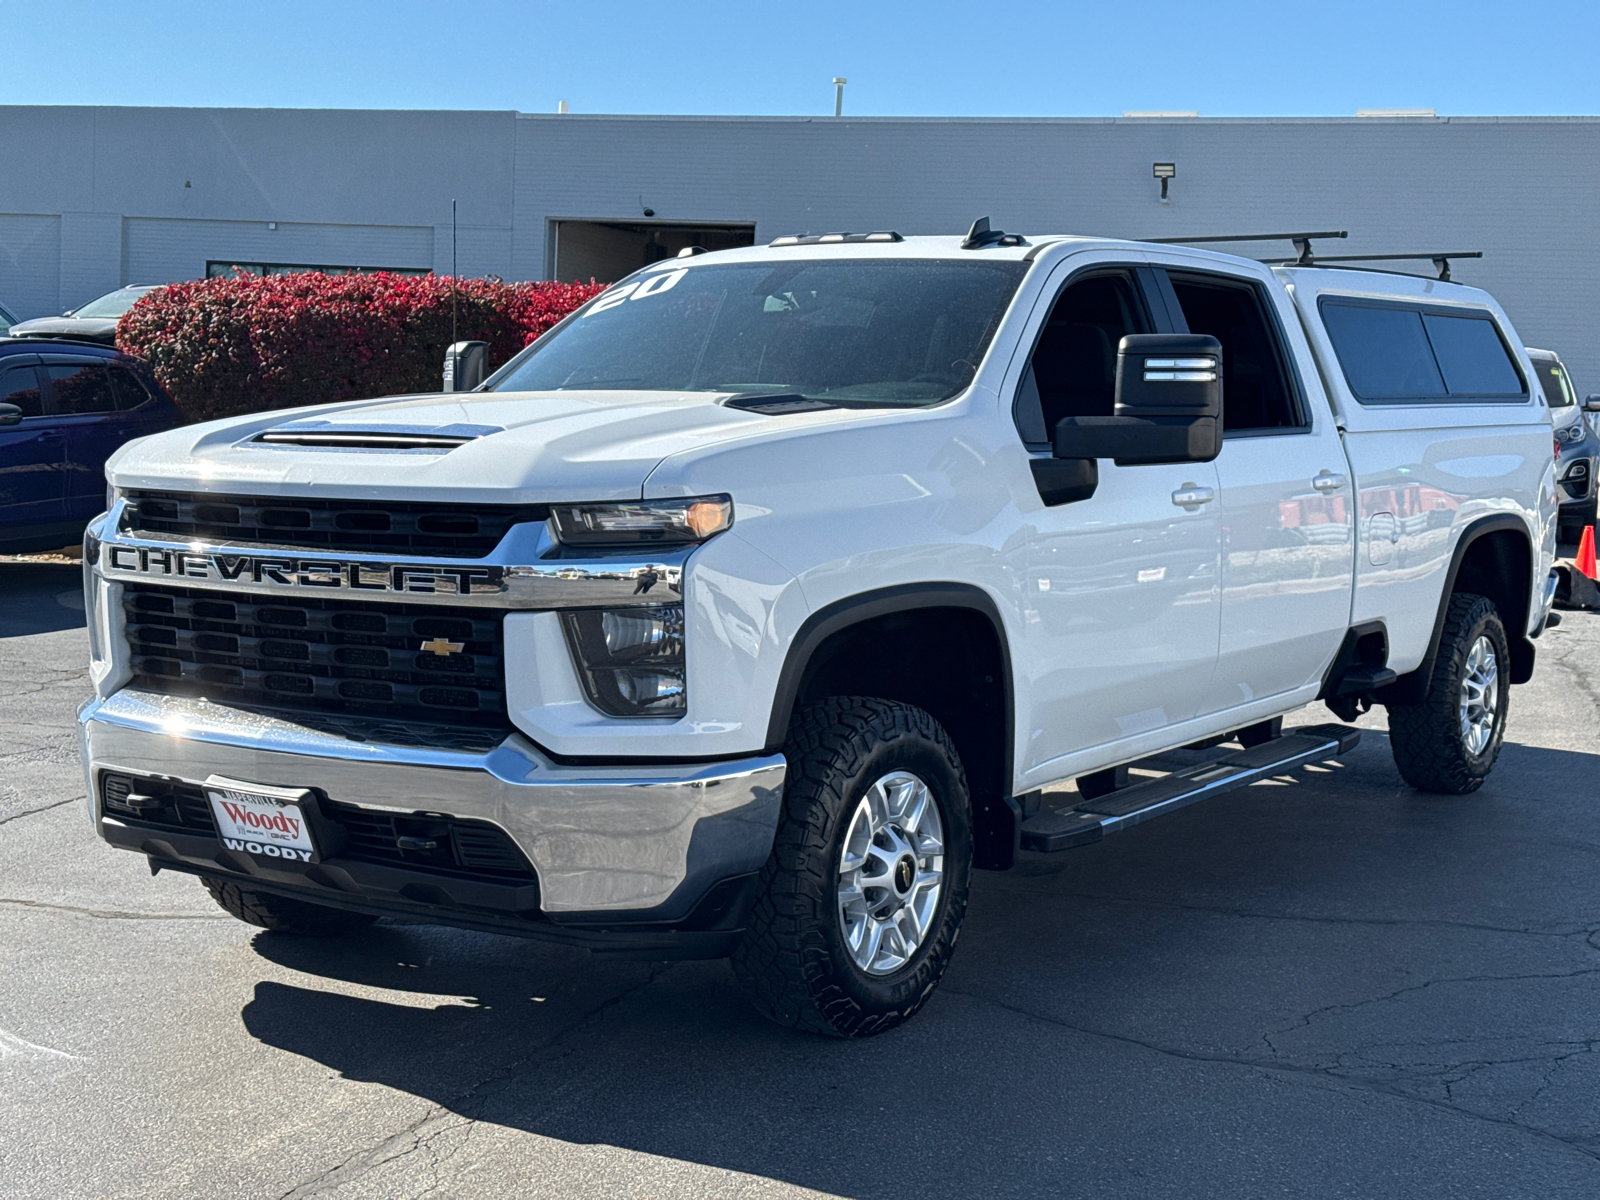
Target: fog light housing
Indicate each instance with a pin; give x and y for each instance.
(630, 660)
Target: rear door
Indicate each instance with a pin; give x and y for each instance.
(85, 403)
(1286, 494)
(32, 453)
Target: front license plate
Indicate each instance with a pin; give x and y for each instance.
(267, 822)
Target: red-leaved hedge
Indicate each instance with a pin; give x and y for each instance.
(249, 343)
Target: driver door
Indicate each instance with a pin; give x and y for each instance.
(1120, 591)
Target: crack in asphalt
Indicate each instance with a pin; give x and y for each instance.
(1559, 654)
(1305, 1021)
(448, 1116)
(111, 914)
(1289, 1070)
(28, 812)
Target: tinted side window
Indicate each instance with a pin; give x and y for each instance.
(82, 388)
(1471, 356)
(20, 386)
(130, 389)
(1255, 393)
(1384, 351)
(1073, 369)
(1393, 353)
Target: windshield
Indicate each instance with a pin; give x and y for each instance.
(112, 304)
(1558, 391)
(857, 331)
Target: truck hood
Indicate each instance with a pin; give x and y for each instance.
(517, 447)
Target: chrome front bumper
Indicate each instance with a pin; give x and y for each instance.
(617, 845)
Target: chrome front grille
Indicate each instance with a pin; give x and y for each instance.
(409, 662)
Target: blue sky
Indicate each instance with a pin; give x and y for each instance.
(934, 58)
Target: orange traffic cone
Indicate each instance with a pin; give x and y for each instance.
(1586, 552)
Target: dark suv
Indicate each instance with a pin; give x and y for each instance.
(64, 407)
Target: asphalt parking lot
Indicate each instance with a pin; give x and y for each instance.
(1326, 988)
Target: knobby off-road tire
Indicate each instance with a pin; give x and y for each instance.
(281, 914)
(1433, 741)
(798, 956)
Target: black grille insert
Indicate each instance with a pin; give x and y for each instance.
(363, 526)
(428, 841)
(164, 803)
(434, 842)
(340, 656)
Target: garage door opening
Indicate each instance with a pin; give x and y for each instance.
(605, 251)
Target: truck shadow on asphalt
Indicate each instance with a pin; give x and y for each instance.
(40, 598)
(1258, 966)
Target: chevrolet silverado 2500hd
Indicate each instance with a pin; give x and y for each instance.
(750, 608)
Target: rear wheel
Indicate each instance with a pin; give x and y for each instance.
(281, 914)
(862, 898)
(1448, 743)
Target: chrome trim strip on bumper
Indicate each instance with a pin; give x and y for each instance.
(523, 571)
(600, 838)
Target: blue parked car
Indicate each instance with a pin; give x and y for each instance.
(64, 407)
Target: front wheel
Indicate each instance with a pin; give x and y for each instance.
(1448, 743)
(282, 914)
(863, 896)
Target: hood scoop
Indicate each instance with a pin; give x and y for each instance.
(393, 439)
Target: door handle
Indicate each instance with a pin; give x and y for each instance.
(1327, 481)
(1191, 496)
(50, 439)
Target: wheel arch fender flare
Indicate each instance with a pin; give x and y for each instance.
(996, 814)
(852, 610)
(1410, 688)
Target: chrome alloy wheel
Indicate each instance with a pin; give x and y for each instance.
(1480, 696)
(891, 873)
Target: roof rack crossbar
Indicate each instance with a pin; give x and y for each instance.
(1300, 241)
(1439, 259)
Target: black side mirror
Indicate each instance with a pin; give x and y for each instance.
(10, 414)
(1168, 405)
(1592, 404)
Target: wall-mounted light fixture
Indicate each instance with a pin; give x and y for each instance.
(1164, 172)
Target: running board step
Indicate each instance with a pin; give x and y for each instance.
(1090, 821)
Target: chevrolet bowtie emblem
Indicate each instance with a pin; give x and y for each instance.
(442, 646)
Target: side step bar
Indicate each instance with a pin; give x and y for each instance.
(1090, 821)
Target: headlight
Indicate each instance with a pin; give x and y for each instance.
(1572, 433)
(644, 522)
(630, 659)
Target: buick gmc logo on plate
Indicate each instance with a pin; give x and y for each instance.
(277, 570)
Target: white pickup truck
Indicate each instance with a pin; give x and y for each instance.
(750, 608)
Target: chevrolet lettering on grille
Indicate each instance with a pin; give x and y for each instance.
(281, 571)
